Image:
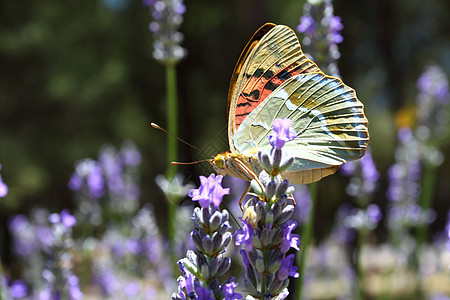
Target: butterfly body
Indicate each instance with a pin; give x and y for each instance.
(274, 79)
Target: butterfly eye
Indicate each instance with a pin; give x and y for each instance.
(219, 161)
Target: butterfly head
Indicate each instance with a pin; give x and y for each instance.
(219, 163)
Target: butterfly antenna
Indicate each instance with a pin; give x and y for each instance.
(174, 163)
(156, 126)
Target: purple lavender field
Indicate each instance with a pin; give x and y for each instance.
(91, 207)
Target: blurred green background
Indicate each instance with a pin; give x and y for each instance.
(75, 75)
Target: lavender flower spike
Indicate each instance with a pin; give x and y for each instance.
(266, 226)
(202, 268)
(282, 133)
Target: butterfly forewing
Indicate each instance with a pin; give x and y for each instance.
(326, 114)
(263, 66)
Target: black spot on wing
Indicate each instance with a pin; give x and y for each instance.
(284, 75)
(243, 104)
(258, 73)
(246, 96)
(271, 86)
(268, 74)
(254, 94)
(241, 115)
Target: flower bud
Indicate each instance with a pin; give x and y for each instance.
(266, 235)
(214, 286)
(205, 218)
(215, 221)
(217, 242)
(286, 164)
(276, 286)
(189, 265)
(274, 267)
(224, 266)
(277, 237)
(224, 227)
(269, 218)
(259, 265)
(208, 245)
(204, 272)
(225, 216)
(261, 209)
(285, 215)
(201, 259)
(214, 265)
(276, 160)
(195, 235)
(251, 289)
(282, 187)
(226, 239)
(290, 190)
(256, 242)
(270, 190)
(197, 216)
(265, 161)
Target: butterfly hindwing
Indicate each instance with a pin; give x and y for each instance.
(271, 57)
(326, 115)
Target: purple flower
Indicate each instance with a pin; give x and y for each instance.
(434, 82)
(25, 238)
(287, 268)
(108, 282)
(210, 191)
(130, 156)
(348, 168)
(244, 235)
(290, 239)
(373, 213)
(245, 259)
(74, 288)
(282, 133)
(95, 181)
(131, 290)
(228, 291)
(75, 182)
(335, 29)
(179, 9)
(307, 25)
(203, 293)
(18, 289)
(67, 219)
(113, 169)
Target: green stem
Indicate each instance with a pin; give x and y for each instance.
(172, 150)
(306, 239)
(426, 201)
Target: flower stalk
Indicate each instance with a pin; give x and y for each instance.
(267, 229)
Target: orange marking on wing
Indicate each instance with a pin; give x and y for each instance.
(260, 87)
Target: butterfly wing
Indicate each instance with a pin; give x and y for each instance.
(327, 117)
(272, 56)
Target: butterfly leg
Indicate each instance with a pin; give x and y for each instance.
(244, 194)
(290, 197)
(250, 175)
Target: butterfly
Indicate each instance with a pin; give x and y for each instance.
(273, 79)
